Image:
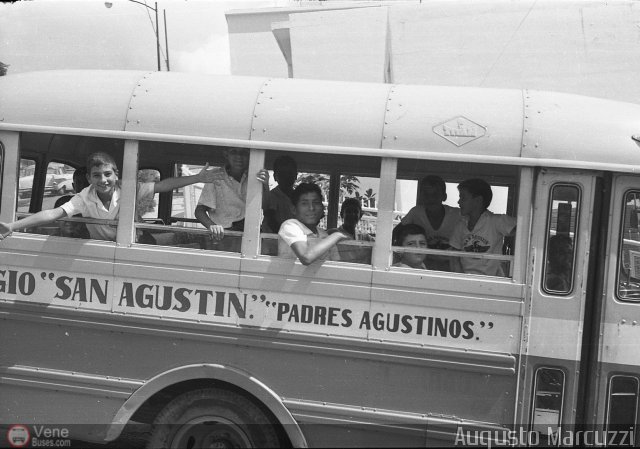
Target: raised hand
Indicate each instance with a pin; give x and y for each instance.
(207, 174)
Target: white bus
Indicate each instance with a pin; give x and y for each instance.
(244, 348)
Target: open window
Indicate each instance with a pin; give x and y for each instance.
(48, 164)
(427, 198)
(349, 186)
(173, 218)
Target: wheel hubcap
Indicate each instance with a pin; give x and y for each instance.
(211, 432)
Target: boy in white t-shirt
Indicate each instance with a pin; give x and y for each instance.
(480, 231)
(102, 198)
(300, 237)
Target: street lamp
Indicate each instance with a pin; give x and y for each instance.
(166, 40)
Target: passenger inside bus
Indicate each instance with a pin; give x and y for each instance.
(351, 213)
(300, 237)
(437, 219)
(278, 205)
(80, 181)
(222, 202)
(102, 198)
(559, 263)
(71, 229)
(479, 231)
(412, 236)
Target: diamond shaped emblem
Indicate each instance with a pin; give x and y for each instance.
(460, 130)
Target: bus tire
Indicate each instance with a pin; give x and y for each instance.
(212, 417)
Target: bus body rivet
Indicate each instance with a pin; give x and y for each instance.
(623, 322)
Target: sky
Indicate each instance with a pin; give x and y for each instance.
(85, 34)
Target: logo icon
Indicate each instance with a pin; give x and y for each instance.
(18, 435)
(460, 130)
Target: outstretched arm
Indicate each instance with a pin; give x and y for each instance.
(308, 254)
(169, 184)
(42, 217)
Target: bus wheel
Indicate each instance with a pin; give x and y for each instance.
(212, 418)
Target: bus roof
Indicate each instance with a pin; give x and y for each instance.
(426, 122)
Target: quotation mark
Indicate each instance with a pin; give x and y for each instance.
(263, 299)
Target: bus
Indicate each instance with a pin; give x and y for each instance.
(204, 344)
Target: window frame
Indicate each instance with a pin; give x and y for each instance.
(576, 232)
(619, 253)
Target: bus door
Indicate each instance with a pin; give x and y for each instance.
(618, 356)
(554, 322)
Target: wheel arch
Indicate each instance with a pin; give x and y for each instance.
(201, 374)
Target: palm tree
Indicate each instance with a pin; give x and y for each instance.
(370, 198)
(348, 184)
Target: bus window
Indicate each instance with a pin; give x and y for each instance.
(348, 200)
(561, 233)
(427, 196)
(629, 253)
(178, 218)
(46, 187)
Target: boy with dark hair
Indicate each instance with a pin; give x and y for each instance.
(437, 219)
(102, 198)
(278, 205)
(300, 237)
(80, 181)
(479, 231)
(351, 213)
(411, 236)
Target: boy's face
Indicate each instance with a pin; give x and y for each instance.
(309, 209)
(351, 215)
(414, 241)
(104, 178)
(468, 203)
(238, 159)
(432, 195)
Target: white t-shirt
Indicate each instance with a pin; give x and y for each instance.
(88, 204)
(487, 236)
(292, 231)
(225, 197)
(436, 238)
